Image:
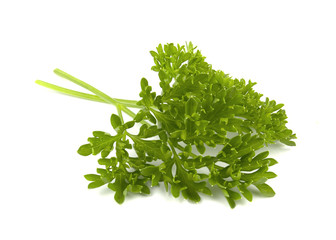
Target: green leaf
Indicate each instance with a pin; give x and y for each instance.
(120, 188)
(179, 134)
(134, 188)
(260, 181)
(288, 142)
(96, 184)
(129, 124)
(190, 194)
(140, 116)
(115, 121)
(145, 189)
(234, 195)
(277, 107)
(92, 177)
(119, 197)
(149, 171)
(106, 152)
(175, 190)
(255, 176)
(231, 202)
(272, 161)
(153, 172)
(235, 141)
(206, 191)
(269, 175)
(154, 54)
(85, 150)
(225, 192)
(200, 146)
(144, 84)
(106, 143)
(190, 106)
(245, 192)
(163, 76)
(261, 156)
(265, 189)
(105, 161)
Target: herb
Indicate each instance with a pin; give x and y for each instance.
(199, 108)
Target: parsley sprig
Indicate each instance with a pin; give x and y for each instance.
(199, 108)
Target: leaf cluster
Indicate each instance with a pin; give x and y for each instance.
(198, 109)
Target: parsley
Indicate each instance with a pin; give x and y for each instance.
(198, 108)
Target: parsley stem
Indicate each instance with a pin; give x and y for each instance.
(122, 102)
(70, 92)
(85, 85)
(120, 114)
(121, 118)
(177, 159)
(94, 90)
(179, 147)
(86, 96)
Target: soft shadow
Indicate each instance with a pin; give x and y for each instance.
(217, 195)
(105, 191)
(275, 148)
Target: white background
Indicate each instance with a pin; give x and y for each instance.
(287, 47)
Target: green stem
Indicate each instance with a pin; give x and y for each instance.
(126, 102)
(69, 92)
(122, 120)
(179, 169)
(179, 147)
(120, 114)
(99, 97)
(94, 90)
(177, 159)
(86, 96)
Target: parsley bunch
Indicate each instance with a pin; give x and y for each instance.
(198, 108)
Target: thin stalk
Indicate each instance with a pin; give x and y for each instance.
(179, 147)
(131, 103)
(85, 85)
(175, 155)
(70, 92)
(179, 169)
(86, 96)
(94, 90)
(122, 120)
(99, 97)
(120, 114)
